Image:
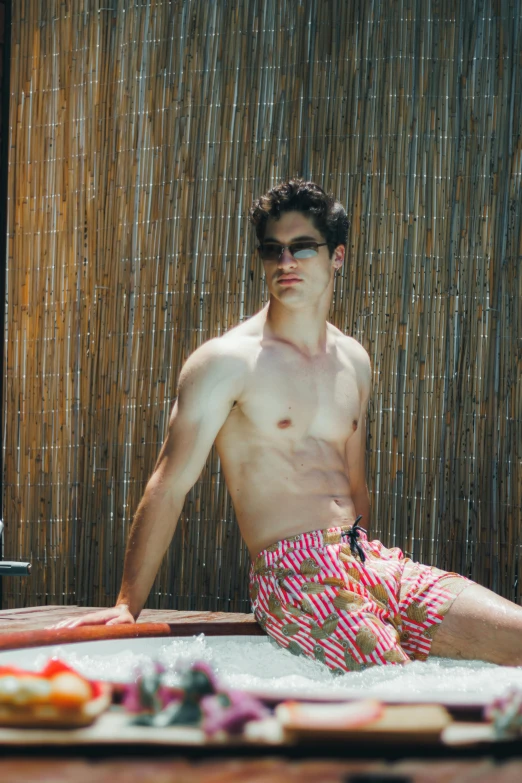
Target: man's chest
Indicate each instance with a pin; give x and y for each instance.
(289, 398)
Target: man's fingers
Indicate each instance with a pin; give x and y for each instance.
(61, 624)
(118, 615)
(89, 619)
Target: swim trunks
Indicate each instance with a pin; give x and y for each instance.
(349, 606)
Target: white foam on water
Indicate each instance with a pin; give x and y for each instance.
(260, 666)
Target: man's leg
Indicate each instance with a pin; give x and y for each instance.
(480, 625)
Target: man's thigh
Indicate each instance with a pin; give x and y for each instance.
(481, 625)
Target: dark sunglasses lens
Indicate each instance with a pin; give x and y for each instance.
(270, 251)
(303, 250)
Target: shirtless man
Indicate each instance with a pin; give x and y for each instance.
(284, 398)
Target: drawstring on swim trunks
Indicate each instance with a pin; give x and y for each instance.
(353, 535)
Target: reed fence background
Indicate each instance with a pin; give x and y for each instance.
(139, 134)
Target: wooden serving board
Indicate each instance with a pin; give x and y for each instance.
(114, 730)
(427, 725)
(398, 724)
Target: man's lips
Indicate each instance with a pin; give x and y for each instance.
(288, 280)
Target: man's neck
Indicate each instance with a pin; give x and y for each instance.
(305, 329)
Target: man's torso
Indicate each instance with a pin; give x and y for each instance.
(283, 445)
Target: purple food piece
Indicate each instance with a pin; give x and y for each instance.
(230, 712)
(131, 698)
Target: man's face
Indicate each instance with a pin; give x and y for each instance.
(299, 281)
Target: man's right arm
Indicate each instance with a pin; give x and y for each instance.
(210, 382)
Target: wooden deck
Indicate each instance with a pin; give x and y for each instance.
(269, 770)
(31, 627)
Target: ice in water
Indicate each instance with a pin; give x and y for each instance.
(259, 665)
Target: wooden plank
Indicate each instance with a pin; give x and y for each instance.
(30, 628)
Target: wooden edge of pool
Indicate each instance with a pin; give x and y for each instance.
(45, 637)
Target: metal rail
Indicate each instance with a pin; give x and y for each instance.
(12, 567)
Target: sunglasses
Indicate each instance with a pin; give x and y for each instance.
(273, 251)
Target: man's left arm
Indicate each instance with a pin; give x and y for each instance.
(356, 451)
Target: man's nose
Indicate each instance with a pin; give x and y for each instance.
(286, 259)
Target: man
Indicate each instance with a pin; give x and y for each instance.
(284, 398)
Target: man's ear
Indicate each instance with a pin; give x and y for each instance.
(339, 256)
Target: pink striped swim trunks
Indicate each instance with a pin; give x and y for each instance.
(348, 602)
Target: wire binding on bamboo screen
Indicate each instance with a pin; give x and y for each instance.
(140, 134)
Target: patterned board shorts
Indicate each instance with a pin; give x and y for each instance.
(316, 595)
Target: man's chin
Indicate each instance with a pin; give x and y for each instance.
(291, 300)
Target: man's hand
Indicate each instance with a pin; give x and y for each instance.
(116, 615)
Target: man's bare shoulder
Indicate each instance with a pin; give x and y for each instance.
(227, 357)
(356, 354)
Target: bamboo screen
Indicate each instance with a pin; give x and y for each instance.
(139, 134)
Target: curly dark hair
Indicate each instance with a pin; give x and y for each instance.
(297, 195)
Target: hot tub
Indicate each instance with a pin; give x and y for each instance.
(254, 663)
